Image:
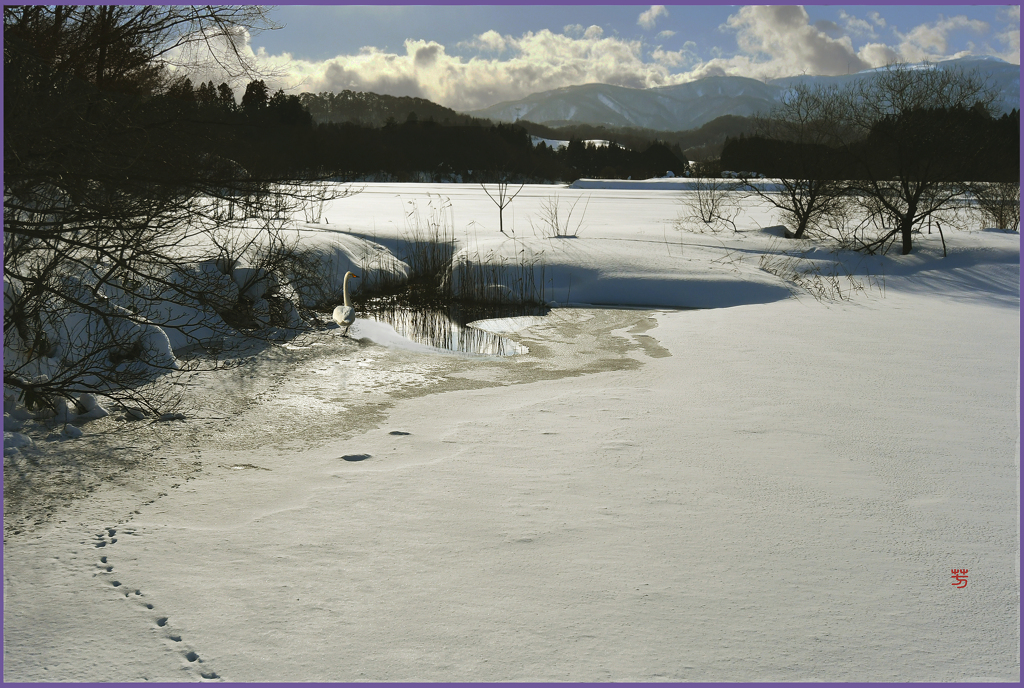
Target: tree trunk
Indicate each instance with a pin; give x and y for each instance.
(801, 228)
(906, 225)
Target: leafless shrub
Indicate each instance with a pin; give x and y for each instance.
(316, 195)
(555, 222)
(710, 206)
(999, 204)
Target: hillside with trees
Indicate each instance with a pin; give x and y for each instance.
(278, 135)
(376, 110)
(905, 149)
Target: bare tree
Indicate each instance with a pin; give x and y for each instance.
(98, 43)
(914, 136)
(709, 204)
(502, 198)
(805, 185)
(115, 190)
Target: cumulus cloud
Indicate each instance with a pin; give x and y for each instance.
(779, 41)
(536, 61)
(426, 56)
(1008, 36)
(857, 26)
(931, 41)
(488, 41)
(686, 57)
(878, 54)
(492, 67)
(650, 17)
(578, 31)
(829, 28)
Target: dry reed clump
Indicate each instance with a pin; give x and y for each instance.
(496, 279)
(824, 280)
(428, 243)
(438, 272)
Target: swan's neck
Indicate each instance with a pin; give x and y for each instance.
(344, 289)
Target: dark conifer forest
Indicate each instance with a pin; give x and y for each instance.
(353, 135)
(955, 144)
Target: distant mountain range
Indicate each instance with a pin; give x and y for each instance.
(690, 105)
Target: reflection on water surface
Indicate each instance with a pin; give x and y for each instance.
(448, 326)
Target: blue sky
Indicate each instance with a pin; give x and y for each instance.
(471, 56)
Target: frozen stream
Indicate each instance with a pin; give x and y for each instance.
(319, 389)
(253, 441)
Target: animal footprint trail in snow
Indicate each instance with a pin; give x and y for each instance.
(106, 569)
(106, 537)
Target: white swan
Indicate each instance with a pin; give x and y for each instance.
(345, 315)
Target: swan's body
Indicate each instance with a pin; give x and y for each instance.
(345, 315)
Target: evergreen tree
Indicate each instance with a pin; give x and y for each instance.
(256, 96)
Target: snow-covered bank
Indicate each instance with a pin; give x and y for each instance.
(776, 490)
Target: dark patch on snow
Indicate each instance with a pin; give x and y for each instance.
(776, 230)
(355, 457)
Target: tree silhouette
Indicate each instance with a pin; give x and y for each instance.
(112, 170)
(796, 145)
(913, 135)
(256, 96)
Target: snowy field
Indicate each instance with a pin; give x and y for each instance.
(773, 487)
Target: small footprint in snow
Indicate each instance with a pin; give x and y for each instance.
(355, 457)
(107, 538)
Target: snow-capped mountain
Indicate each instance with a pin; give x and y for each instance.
(690, 105)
